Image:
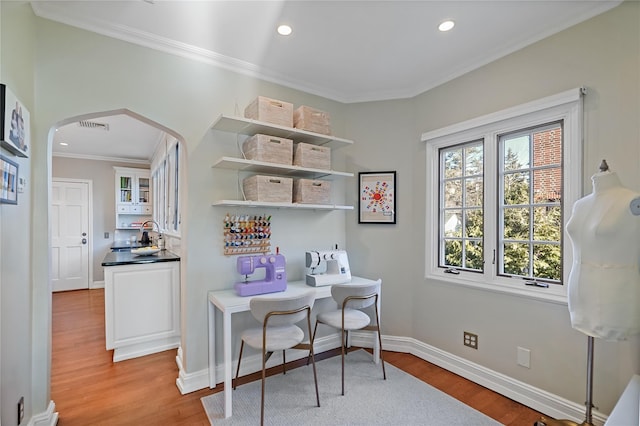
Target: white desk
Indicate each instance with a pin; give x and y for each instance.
(228, 302)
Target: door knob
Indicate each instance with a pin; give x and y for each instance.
(84, 234)
(84, 241)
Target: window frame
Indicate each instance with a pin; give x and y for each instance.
(566, 107)
(165, 173)
(464, 208)
(531, 205)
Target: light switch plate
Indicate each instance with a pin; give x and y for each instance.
(524, 357)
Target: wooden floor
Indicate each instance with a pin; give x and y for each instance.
(89, 389)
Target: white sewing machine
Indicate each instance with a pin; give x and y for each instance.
(327, 267)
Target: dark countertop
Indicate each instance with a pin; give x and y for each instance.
(116, 258)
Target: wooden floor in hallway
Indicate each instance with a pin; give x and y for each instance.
(89, 389)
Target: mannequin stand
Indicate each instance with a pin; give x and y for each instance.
(589, 403)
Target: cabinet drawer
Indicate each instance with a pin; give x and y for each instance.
(135, 209)
(124, 208)
(146, 209)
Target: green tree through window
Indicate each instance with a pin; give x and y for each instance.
(529, 206)
(463, 217)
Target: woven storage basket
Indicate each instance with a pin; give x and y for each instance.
(308, 191)
(268, 148)
(313, 120)
(268, 188)
(271, 111)
(312, 156)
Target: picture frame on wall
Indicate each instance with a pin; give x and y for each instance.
(377, 197)
(15, 123)
(9, 188)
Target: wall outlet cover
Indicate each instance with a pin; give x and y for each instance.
(524, 357)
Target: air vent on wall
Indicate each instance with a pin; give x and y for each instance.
(93, 125)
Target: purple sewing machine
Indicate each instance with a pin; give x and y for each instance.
(275, 274)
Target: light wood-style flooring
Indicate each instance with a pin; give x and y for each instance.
(89, 389)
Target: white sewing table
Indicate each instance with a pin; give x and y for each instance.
(228, 302)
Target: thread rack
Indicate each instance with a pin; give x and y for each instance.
(246, 234)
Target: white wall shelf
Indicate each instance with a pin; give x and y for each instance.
(242, 164)
(264, 204)
(247, 126)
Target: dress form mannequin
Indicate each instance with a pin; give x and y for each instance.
(604, 282)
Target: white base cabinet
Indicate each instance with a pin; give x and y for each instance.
(142, 308)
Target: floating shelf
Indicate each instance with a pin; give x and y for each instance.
(247, 126)
(242, 164)
(239, 203)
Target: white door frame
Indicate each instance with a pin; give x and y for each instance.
(89, 183)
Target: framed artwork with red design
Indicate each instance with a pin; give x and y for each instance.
(377, 197)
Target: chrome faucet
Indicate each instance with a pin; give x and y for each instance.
(154, 223)
(149, 221)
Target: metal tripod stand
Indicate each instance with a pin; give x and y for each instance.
(589, 402)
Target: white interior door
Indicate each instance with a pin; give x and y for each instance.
(70, 235)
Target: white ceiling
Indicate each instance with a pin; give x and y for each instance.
(348, 51)
(119, 137)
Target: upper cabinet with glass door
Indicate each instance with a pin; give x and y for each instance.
(133, 196)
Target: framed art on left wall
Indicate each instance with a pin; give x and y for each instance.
(9, 188)
(14, 123)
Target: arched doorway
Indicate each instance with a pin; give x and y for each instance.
(97, 148)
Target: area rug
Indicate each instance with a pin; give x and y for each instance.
(369, 400)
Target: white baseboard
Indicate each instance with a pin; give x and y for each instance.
(146, 348)
(551, 405)
(191, 382)
(48, 418)
(545, 402)
(96, 284)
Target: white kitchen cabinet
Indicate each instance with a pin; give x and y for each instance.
(142, 308)
(249, 127)
(133, 197)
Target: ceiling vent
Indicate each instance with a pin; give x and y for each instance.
(93, 125)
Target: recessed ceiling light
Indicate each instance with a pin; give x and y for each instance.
(446, 25)
(64, 144)
(284, 30)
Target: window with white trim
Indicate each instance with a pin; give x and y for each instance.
(165, 173)
(499, 193)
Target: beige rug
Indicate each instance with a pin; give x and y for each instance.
(369, 400)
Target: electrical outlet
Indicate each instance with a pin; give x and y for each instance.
(524, 357)
(106, 235)
(470, 340)
(21, 410)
